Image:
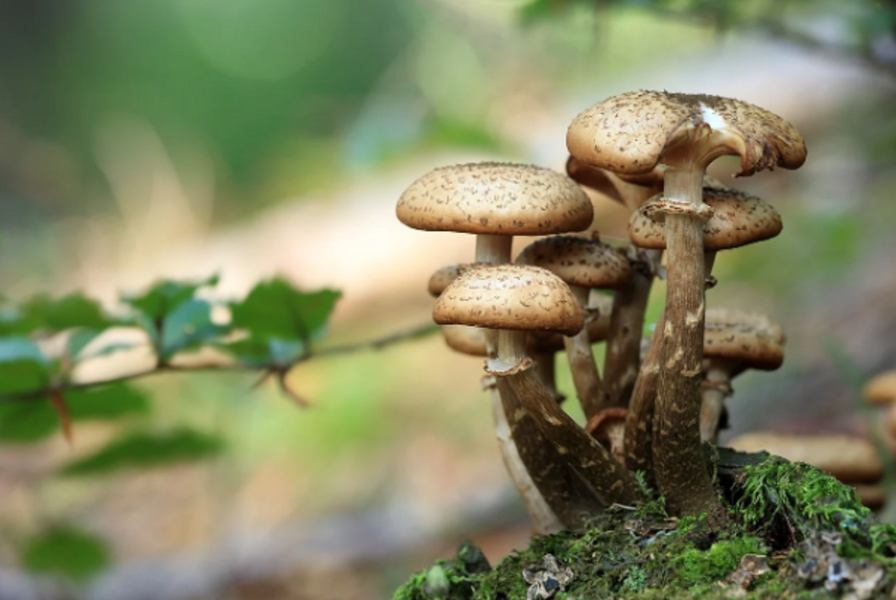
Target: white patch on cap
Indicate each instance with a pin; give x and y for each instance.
(712, 118)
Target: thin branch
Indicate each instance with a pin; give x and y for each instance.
(417, 332)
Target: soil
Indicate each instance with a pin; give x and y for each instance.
(794, 532)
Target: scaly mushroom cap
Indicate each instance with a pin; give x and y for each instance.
(751, 341)
(495, 198)
(442, 278)
(517, 297)
(464, 339)
(634, 132)
(849, 459)
(738, 219)
(578, 261)
(881, 389)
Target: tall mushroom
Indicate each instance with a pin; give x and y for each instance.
(496, 201)
(632, 133)
(516, 299)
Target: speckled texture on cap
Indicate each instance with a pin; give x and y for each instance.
(738, 219)
(578, 261)
(751, 339)
(442, 278)
(850, 459)
(495, 198)
(516, 297)
(631, 133)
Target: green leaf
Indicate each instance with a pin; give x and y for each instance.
(65, 550)
(23, 366)
(280, 321)
(67, 312)
(188, 327)
(106, 403)
(27, 422)
(165, 296)
(34, 420)
(145, 450)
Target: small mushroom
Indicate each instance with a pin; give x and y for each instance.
(516, 299)
(583, 264)
(733, 342)
(850, 459)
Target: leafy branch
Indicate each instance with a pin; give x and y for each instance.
(271, 331)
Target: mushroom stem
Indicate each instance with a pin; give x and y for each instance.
(585, 377)
(714, 389)
(492, 248)
(677, 450)
(639, 419)
(544, 519)
(531, 470)
(623, 355)
(607, 479)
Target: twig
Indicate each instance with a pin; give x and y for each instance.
(62, 387)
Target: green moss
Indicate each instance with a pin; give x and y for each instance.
(642, 554)
(697, 567)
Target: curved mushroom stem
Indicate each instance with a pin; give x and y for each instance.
(585, 377)
(677, 449)
(529, 468)
(639, 419)
(545, 363)
(714, 389)
(623, 357)
(544, 520)
(606, 478)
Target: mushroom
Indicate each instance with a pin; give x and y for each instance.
(850, 459)
(733, 342)
(631, 134)
(582, 264)
(496, 201)
(516, 299)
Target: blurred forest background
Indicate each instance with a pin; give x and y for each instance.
(144, 139)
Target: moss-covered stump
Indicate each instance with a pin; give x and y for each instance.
(797, 533)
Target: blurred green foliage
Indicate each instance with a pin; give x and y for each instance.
(142, 450)
(65, 550)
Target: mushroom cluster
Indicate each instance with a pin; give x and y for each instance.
(649, 151)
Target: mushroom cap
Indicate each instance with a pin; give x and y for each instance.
(745, 340)
(634, 132)
(632, 193)
(881, 389)
(738, 219)
(850, 459)
(578, 261)
(518, 297)
(466, 340)
(443, 277)
(495, 198)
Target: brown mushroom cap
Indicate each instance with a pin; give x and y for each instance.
(495, 198)
(443, 277)
(578, 261)
(750, 340)
(881, 389)
(633, 132)
(849, 459)
(738, 219)
(464, 339)
(517, 297)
